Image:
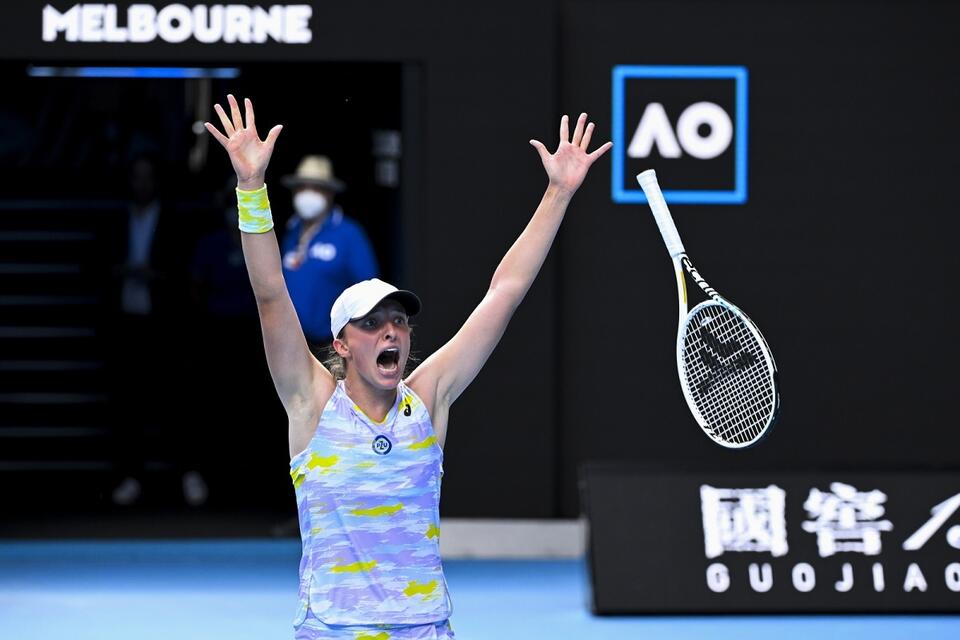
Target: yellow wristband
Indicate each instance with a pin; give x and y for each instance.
(253, 208)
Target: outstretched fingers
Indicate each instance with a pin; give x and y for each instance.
(585, 141)
(272, 136)
(602, 149)
(578, 131)
(582, 136)
(541, 149)
(251, 122)
(224, 120)
(233, 123)
(235, 112)
(222, 139)
(564, 129)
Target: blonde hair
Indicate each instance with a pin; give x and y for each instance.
(335, 363)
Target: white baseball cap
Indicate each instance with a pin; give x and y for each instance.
(358, 300)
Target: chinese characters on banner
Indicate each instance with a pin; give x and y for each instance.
(844, 520)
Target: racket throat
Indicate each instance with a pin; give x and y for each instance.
(707, 289)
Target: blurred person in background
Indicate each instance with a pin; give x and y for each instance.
(224, 351)
(324, 251)
(145, 336)
(220, 288)
(365, 441)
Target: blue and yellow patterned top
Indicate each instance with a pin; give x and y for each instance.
(368, 496)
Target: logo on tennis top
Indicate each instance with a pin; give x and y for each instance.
(686, 122)
(382, 445)
(407, 409)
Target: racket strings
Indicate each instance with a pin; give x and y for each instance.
(737, 414)
(727, 374)
(736, 410)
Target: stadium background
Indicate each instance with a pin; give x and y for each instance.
(842, 253)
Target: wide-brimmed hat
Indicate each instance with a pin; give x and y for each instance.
(314, 171)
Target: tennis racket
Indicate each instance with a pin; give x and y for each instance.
(727, 373)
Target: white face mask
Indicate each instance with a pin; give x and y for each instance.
(309, 204)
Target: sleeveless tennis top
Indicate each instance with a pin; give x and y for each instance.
(368, 497)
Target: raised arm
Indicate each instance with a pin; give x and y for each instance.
(294, 370)
(444, 375)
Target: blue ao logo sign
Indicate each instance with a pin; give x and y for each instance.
(688, 123)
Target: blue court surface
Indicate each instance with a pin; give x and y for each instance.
(238, 590)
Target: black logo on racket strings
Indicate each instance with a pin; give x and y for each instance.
(722, 359)
(722, 349)
(382, 445)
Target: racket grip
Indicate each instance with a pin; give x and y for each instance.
(648, 182)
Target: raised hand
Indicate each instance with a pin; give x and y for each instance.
(568, 165)
(249, 155)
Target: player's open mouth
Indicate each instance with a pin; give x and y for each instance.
(389, 360)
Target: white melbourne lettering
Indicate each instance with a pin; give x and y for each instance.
(111, 32)
(208, 25)
(175, 23)
(655, 129)
(55, 22)
(92, 22)
(142, 21)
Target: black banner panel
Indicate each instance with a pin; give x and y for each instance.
(804, 153)
(702, 542)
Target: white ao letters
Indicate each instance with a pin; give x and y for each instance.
(655, 129)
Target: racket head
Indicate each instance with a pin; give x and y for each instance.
(728, 374)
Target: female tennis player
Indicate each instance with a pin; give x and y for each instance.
(366, 450)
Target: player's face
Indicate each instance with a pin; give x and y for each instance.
(378, 345)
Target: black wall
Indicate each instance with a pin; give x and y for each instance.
(841, 253)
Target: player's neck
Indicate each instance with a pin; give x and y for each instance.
(373, 401)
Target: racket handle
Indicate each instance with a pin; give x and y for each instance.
(648, 181)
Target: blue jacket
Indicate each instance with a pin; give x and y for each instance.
(338, 256)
